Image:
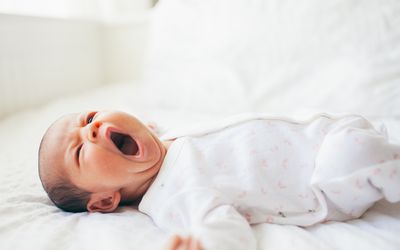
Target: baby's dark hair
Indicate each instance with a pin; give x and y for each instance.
(60, 190)
(68, 197)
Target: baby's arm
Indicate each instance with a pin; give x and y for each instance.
(221, 228)
(224, 228)
(207, 218)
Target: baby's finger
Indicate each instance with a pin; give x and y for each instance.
(198, 245)
(174, 242)
(190, 242)
(195, 245)
(185, 243)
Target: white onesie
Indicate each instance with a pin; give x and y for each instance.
(214, 184)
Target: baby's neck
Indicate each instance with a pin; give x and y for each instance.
(134, 193)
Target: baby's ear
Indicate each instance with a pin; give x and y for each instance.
(104, 202)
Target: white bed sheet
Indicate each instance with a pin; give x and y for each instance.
(28, 220)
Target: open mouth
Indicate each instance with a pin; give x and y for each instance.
(125, 143)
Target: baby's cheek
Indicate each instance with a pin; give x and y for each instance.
(105, 163)
(101, 159)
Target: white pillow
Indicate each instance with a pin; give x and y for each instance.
(283, 57)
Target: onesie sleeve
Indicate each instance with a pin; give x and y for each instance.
(206, 216)
(224, 228)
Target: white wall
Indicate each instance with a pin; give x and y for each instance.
(125, 43)
(45, 58)
(84, 9)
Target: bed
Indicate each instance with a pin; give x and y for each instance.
(211, 59)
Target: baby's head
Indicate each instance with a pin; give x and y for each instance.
(94, 161)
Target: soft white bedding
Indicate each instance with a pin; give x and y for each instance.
(28, 220)
(287, 58)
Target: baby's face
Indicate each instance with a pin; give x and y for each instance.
(104, 151)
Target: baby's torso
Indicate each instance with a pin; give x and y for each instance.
(262, 167)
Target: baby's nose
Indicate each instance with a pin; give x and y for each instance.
(93, 131)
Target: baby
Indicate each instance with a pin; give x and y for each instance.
(214, 183)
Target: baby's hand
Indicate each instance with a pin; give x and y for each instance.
(154, 127)
(183, 243)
